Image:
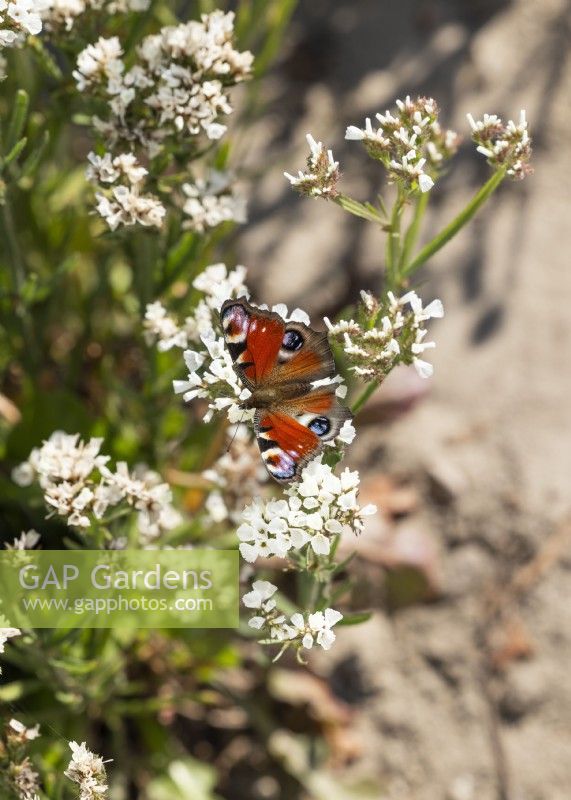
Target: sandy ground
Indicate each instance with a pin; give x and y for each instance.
(470, 695)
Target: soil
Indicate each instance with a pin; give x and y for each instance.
(469, 692)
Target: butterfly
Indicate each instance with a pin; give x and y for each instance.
(279, 362)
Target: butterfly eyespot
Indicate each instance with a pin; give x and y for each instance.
(320, 426)
(292, 340)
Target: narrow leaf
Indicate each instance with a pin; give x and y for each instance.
(14, 152)
(31, 163)
(18, 119)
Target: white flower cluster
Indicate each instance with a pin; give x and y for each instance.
(8, 633)
(409, 141)
(88, 771)
(77, 483)
(322, 172)
(210, 202)
(22, 733)
(398, 337)
(17, 774)
(26, 541)
(120, 202)
(217, 283)
(503, 145)
(18, 18)
(24, 780)
(211, 376)
(299, 630)
(177, 85)
(313, 513)
(63, 14)
(236, 477)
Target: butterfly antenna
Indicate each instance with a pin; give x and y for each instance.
(235, 432)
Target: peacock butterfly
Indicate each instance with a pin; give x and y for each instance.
(279, 362)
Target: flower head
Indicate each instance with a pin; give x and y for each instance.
(26, 541)
(78, 485)
(409, 142)
(18, 18)
(210, 202)
(217, 284)
(313, 512)
(322, 172)
(503, 145)
(177, 87)
(88, 771)
(300, 630)
(387, 336)
(6, 634)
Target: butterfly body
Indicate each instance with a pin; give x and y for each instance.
(280, 362)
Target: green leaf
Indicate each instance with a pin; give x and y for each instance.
(18, 119)
(355, 619)
(222, 156)
(30, 164)
(362, 210)
(14, 152)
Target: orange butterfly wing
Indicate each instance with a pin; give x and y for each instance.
(267, 350)
(286, 357)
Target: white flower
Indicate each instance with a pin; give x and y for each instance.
(25, 780)
(261, 592)
(320, 179)
(212, 202)
(299, 630)
(396, 337)
(125, 206)
(24, 14)
(63, 457)
(26, 541)
(78, 483)
(354, 134)
(8, 633)
(406, 138)
(316, 628)
(313, 511)
(63, 14)
(99, 61)
(216, 507)
(159, 325)
(27, 734)
(236, 476)
(88, 771)
(503, 145)
(144, 491)
(347, 432)
(176, 88)
(425, 182)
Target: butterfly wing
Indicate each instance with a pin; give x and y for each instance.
(278, 361)
(267, 350)
(294, 433)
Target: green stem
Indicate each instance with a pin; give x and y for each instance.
(364, 396)
(393, 241)
(16, 264)
(363, 210)
(457, 223)
(413, 229)
(17, 268)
